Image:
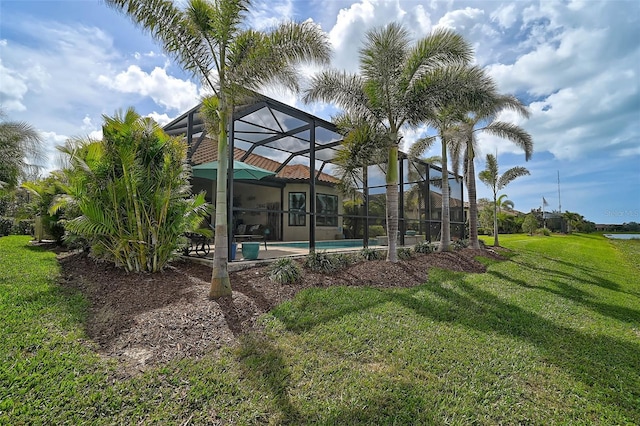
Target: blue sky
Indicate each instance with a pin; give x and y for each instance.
(576, 64)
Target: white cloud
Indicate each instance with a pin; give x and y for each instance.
(268, 14)
(168, 91)
(13, 88)
(161, 119)
(505, 15)
(461, 19)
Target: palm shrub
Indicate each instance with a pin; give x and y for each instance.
(133, 193)
(423, 247)
(285, 271)
(371, 254)
(404, 253)
(460, 244)
(321, 261)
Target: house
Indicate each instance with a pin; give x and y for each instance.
(300, 202)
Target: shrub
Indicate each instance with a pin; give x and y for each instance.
(376, 231)
(285, 271)
(460, 244)
(23, 227)
(132, 193)
(321, 261)
(404, 253)
(371, 254)
(5, 226)
(423, 247)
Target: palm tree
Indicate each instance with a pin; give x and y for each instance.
(496, 182)
(210, 39)
(19, 141)
(396, 85)
(504, 203)
(465, 143)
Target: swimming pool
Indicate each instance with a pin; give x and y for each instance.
(331, 244)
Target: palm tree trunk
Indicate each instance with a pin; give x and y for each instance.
(473, 205)
(392, 202)
(495, 221)
(220, 282)
(445, 226)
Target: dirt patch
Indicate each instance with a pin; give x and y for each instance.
(149, 319)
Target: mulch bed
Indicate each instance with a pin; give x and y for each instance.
(148, 319)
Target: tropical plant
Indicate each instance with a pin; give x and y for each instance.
(321, 261)
(530, 224)
(423, 247)
(285, 271)
(491, 177)
(44, 192)
(504, 203)
(483, 117)
(211, 40)
(574, 220)
(20, 144)
(397, 85)
(371, 254)
(405, 253)
(132, 190)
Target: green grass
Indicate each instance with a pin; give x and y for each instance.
(551, 336)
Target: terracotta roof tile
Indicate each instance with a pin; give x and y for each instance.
(207, 151)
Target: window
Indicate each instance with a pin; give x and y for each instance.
(297, 209)
(327, 210)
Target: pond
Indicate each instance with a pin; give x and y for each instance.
(623, 236)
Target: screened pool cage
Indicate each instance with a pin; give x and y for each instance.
(290, 206)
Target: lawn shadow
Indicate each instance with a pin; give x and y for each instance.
(263, 364)
(607, 362)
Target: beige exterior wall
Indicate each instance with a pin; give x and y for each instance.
(301, 233)
(248, 196)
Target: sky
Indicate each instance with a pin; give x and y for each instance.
(575, 64)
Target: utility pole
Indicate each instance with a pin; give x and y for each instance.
(559, 203)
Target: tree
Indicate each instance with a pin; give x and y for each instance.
(530, 224)
(132, 192)
(398, 84)
(465, 143)
(210, 39)
(574, 220)
(496, 182)
(504, 203)
(20, 143)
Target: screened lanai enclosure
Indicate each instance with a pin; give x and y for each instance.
(297, 200)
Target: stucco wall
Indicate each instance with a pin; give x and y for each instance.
(301, 233)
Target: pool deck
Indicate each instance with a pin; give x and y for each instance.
(270, 255)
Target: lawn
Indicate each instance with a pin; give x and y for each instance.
(549, 336)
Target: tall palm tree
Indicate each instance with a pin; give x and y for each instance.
(211, 39)
(491, 177)
(397, 83)
(19, 141)
(465, 144)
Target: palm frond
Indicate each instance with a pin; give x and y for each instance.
(510, 175)
(514, 133)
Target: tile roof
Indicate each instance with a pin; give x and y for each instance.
(207, 151)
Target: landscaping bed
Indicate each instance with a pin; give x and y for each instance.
(148, 319)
